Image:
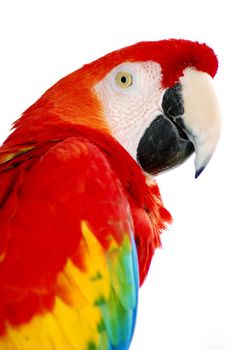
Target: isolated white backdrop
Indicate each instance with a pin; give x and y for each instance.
(187, 301)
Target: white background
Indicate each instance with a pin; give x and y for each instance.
(187, 300)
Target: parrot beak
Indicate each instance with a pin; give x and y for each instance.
(190, 123)
(201, 115)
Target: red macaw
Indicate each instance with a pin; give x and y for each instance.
(80, 213)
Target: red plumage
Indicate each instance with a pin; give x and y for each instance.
(50, 180)
(39, 173)
(73, 101)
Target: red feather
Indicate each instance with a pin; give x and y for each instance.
(72, 100)
(37, 229)
(48, 161)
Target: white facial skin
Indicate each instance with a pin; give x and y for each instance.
(130, 110)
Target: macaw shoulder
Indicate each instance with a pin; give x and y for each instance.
(81, 176)
(51, 194)
(66, 247)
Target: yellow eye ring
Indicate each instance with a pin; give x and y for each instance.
(123, 79)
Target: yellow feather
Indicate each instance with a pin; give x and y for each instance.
(9, 156)
(75, 319)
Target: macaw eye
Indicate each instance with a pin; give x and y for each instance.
(123, 79)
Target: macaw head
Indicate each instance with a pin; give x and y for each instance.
(156, 98)
(159, 102)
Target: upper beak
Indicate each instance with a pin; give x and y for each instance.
(201, 115)
(190, 122)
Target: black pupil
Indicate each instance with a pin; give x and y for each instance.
(123, 79)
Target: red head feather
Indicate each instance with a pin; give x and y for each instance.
(72, 101)
(173, 55)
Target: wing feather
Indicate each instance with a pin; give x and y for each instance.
(68, 267)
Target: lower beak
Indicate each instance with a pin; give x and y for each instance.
(163, 146)
(190, 123)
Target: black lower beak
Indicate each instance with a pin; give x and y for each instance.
(163, 146)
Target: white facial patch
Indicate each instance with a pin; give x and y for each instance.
(130, 110)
